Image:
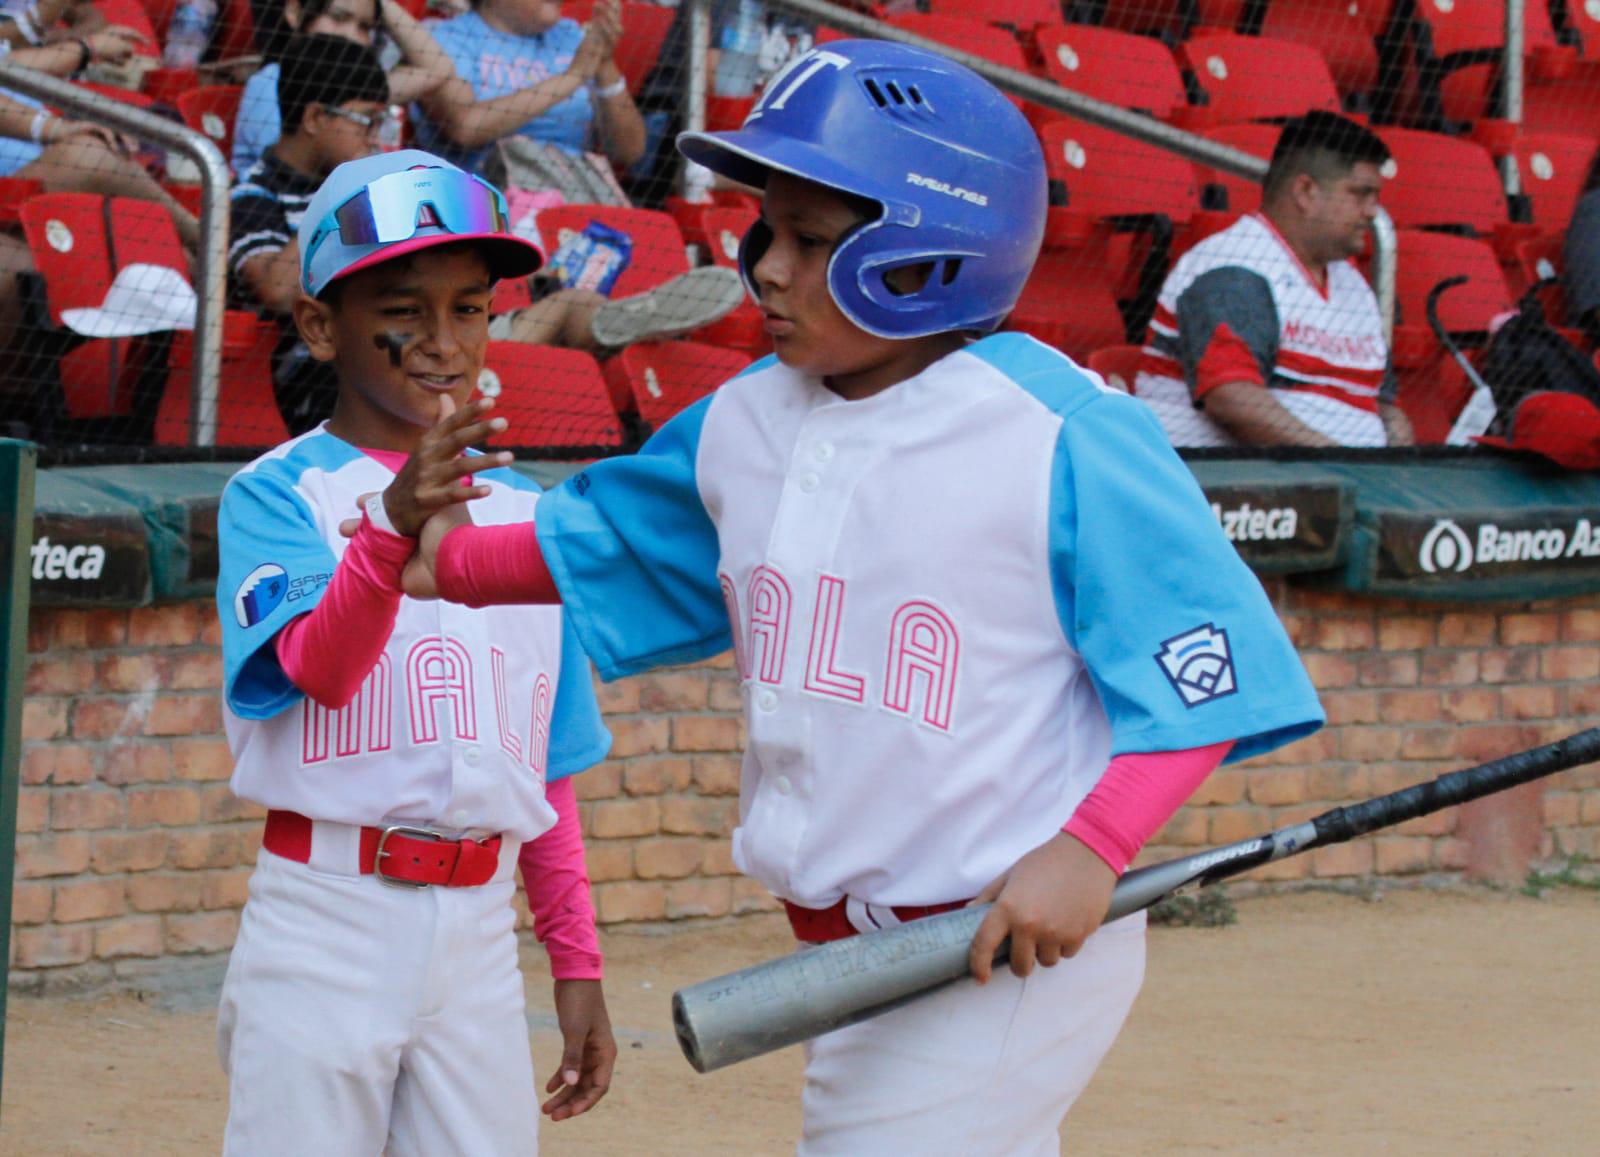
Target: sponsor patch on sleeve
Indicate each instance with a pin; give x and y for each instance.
(1198, 664)
(259, 594)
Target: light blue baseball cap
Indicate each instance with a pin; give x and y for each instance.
(384, 206)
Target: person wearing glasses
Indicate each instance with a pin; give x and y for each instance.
(408, 52)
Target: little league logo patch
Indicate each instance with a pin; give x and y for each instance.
(1198, 664)
(260, 593)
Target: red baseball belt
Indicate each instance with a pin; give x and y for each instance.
(400, 855)
(819, 925)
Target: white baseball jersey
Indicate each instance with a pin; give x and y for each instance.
(951, 603)
(467, 712)
(1240, 306)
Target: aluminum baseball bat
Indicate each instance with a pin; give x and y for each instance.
(816, 990)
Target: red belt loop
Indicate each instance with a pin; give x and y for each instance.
(820, 925)
(410, 857)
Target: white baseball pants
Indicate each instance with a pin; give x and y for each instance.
(359, 1019)
(970, 1071)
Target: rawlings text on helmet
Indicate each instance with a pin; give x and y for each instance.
(939, 186)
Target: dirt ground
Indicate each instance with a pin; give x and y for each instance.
(1460, 1022)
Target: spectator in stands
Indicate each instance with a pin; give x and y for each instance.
(1581, 256)
(525, 71)
(25, 23)
(66, 155)
(333, 95)
(417, 66)
(1266, 334)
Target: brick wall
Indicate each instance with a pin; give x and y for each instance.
(131, 850)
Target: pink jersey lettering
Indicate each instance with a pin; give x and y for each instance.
(321, 728)
(510, 741)
(769, 624)
(543, 705)
(822, 673)
(924, 647)
(439, 670)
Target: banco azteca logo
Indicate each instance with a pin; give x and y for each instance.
(1445, 548)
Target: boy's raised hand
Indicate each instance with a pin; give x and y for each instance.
(430, 480)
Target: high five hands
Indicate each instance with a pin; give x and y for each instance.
(428, 497)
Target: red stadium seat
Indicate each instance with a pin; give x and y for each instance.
(235, 33)
(722, 231)
(1344, 32)
(658, 253)
(1100, 181)
(972, 36)
(549, 397)
(13, 192)
(212, 110)
(1568, 104)
(1063, 308)
(67, 234)
(1118, 365)
(1584, 20)
(132, 14)
(78, 241)
(1432, 387)
(1022, 15)
(1438, 180)
(166, 85)
(1243, 194)
(1460, 44)
(1539, 259)
(1253, 78)
(1135, 72)
(657, 379)
(247, 412)
(1425, 259)
(1097, 173)
(1553, 168)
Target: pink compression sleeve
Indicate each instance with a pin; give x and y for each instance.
(1136, 795)
(557, 880)
(484, 566)
(331, 649)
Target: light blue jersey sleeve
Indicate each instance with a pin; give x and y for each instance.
(578, 736)
(634, 554)
(273, 566)
(1177, 634)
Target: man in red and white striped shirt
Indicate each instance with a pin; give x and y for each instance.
(1266, 333)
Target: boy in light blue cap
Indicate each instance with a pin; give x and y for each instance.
(410, 754)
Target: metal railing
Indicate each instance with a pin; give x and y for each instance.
(211, 255)
(1051, 95)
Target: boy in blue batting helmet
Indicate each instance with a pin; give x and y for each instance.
(989, 634)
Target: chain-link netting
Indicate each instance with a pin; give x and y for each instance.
(1245, 311)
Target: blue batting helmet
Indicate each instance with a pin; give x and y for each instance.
(955, 166)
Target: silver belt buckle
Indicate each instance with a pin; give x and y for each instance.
(378, 856)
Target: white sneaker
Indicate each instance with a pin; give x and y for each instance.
(685, 303)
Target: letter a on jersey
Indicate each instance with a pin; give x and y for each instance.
(1198, 664)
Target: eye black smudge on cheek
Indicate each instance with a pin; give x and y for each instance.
(394, 343)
